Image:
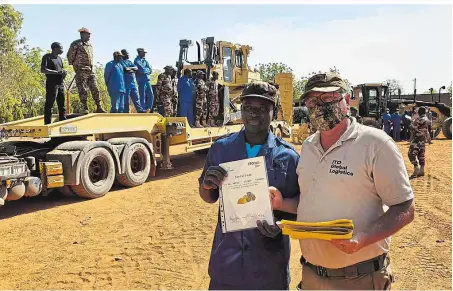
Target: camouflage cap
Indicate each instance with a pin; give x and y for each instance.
(354, 108)
(325, 82)
(261, 90)
(84, 29)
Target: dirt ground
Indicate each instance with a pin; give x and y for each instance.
(158, 235)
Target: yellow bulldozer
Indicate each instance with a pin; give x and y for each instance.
(230, 61)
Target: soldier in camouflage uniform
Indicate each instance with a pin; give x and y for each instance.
(213, 98)
(164, 90)
(201, 100)
(80, 56)
(355, 113)
(174, 93)
(417, 147)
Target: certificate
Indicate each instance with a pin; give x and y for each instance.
(244, 195)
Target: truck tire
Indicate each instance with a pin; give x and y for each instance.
(97, 174)
(278, 132)
(67, 191)
(138, 165)
(446, 128)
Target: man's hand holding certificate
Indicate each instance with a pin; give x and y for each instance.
(244, 196)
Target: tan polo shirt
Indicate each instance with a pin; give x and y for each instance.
(354, 179)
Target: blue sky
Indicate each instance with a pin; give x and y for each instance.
(286, 33)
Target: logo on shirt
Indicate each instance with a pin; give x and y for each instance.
(337, 168)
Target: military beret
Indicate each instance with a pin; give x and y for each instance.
(259, 89)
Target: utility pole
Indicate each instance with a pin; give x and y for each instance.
(415, 88)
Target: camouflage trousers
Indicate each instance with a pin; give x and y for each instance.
(174, 102)
(202, 109)
(214, 107)
(84, 79)
(168, 105)
(417, 151)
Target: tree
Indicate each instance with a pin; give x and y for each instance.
(269, 70)
(394, 85)
(10, 25)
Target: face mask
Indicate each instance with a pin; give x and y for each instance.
(327, 116)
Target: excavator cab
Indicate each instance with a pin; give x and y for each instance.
(371, 99)
(227, 59)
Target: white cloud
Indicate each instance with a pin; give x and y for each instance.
(393, 44)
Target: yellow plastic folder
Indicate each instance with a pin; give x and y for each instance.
(326, 230)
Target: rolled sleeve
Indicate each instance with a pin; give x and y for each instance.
(390, 175)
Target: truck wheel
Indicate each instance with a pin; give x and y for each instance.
(446, 128)
(96, 175)
(138, 165)
(278, 132)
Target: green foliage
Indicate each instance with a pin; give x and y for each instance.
(269, 70)
(10, 25)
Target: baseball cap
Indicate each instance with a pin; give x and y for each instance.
(259, 89)
(84, 29)
(141, 50)
(124, 52)
(325, 82)
(117, 53)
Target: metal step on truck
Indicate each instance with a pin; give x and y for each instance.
(83, 155)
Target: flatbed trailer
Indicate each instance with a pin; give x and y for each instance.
(85, 154)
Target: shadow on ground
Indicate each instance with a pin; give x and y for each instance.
(182, 164)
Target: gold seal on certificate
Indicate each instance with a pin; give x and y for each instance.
(244, 195)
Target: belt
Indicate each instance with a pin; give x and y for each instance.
(362, 268)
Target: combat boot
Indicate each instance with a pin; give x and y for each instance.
(203, 123)
(84, 108)
(422, 171)
(197, 124)
(416, 172)
(99, 109)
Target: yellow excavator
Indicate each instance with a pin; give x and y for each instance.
(230, 61)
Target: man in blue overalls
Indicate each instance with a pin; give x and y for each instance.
(185, 93)
(114, 80)
(143, 78)
(131, 84)
(255, 258)
(387, 119)
(396, 121)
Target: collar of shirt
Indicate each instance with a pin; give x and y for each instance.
(270, 142)
(351, 132)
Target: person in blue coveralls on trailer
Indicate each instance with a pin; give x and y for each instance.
(131, 84)
(185, 93)
(255, 258)
(143, 78)
(396, 120)
(114, 80)
(387, 118)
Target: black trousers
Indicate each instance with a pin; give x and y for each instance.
(54, 91)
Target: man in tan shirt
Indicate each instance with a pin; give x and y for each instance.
(347, 170)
